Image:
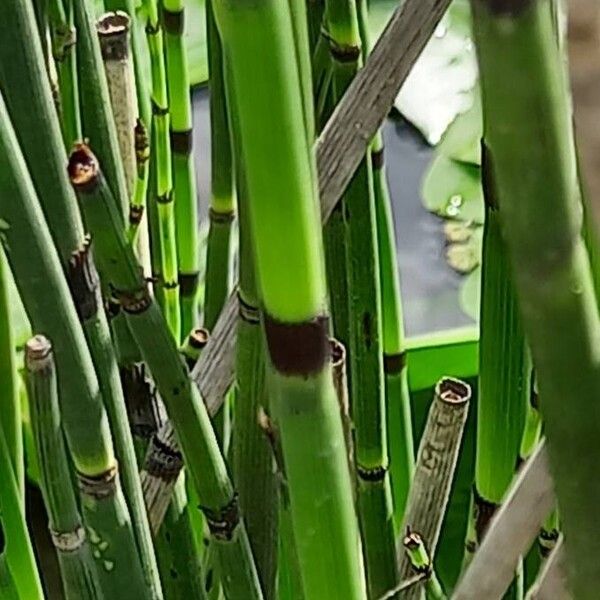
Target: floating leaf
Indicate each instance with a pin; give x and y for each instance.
(469, 295)
(453, 190)
(440, 85)
(461, 141)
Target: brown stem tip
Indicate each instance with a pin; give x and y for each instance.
(83, 168)
(113, 33)
(453, 391)
(38, 353)
(199, 338)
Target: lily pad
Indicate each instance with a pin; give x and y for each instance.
(440, 85)
(452, 189)
(461, 141)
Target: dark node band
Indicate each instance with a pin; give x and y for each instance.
(163, 461)
(173, 22)
(165, 198)
(84, 281)
(68, 541)
(182, 142)
(222, 522)
(188, 283)
(377, 158)
(547, 541)
(134, 302)
(141, 401)
(509, 8)
(372, 475)
(221, 217)
(99, 486)
(298, 348)
(247, 312)
(159, 111)
(136, 213)
(394, 363)
(484, 511)
(151, 29)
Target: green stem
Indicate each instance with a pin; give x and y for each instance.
(182, 398)
(184, 172)
(279, 165)
(10, 407)
(421, 563)
(163, 170)
(522, 75)
(78, 571)
(64, 38)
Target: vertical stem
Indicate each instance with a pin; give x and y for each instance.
(10, 407)
(184, 172)
(163, 171)
(279, 165)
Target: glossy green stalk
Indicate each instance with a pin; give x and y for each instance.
(279, 166)
(10, 407)
(77, 567)
(184, 172)
(252, 460)
(222, 199)
(97, 121)
(163, 171)
(50, 308)
(522, 75)
(504, 368)
(365, 347)
(16, 551)
(64, 38)
(399, 419)
(181, 397)
(8, 586)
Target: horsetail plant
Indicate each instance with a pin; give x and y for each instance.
(182, 398)
(77, 566)
(165, 234)
(60, 208)
(18, 569)
(522, 74)
(47, 299)
(279, 164)
(184, 171)
(10, 407)
(364, 333)
(421, 562)
(504, 369)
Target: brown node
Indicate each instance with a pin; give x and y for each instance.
(394, 363)
(84, 281)
(223, 521)
(83, 168)
(453, 391)
(100, 486)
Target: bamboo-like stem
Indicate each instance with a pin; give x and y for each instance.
(302, 395)
(40, 8)
(364, 335)
(64, 38)
(213, 372)
(165, 235)
(421, 562)
(98, 124)
(181, 397)
(399, 420)
(50, 308)
(78, 571)
(252, 458)
(222, 200)
(41, 141)
(10, 407)
(16, 550)
(184, 172)
(511, 531)
(113, 32)
(434, 468)
(522, 74)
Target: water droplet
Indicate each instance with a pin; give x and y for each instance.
(440, 31)
(96, 553)
(456, 200)
(451, 211)
(102, 546)
(94, 537)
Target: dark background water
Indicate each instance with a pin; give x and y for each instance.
(429, 286)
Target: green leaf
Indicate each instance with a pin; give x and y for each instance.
(18, 317)
(461, 141)
(440, 85)
(452, 189)
(469, 295)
